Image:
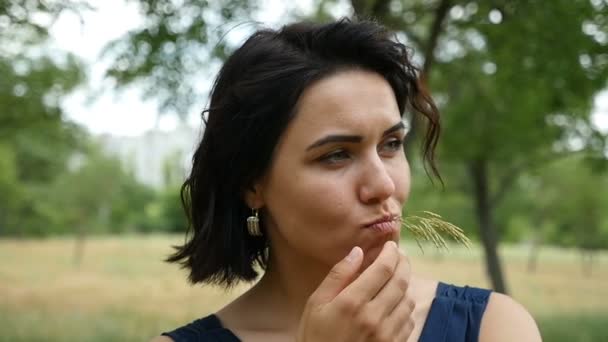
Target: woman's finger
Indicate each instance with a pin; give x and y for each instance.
(373, 279)
(400, 321)
(395, 289)
(338, 277)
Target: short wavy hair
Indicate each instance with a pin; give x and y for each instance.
(252, 101)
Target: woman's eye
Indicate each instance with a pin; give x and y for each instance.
(335, 157)
(393, 145)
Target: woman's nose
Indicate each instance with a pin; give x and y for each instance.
(376, 184)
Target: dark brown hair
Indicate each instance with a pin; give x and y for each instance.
(252, 102)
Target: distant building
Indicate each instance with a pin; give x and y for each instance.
(156, 157)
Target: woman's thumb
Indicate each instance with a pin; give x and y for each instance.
(342, 274)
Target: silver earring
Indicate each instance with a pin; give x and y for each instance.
(253, 223)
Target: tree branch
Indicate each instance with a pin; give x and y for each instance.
(360, 7)
(429, 49)
(381, 8)
(506, 182)
(413, 37)
(378, 9)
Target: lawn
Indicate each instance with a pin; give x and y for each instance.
(122, 291)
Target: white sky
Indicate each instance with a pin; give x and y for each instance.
(121, 112)
(117, 113)
(124, 112)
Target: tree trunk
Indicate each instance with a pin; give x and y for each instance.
(441, 13)
(479, 175)
(533, 256)
(79, 246)
(587, 261)
(379, 9)
(429, 58)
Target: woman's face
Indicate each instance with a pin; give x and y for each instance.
(339, 176)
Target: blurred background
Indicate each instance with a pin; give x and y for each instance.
(100, 106)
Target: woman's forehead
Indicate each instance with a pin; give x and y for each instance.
(348, 98)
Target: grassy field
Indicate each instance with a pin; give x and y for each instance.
(122, 291)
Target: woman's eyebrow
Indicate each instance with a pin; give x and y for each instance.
(398, 126)
(332, 138)
(335, 138)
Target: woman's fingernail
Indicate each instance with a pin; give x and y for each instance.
(354, 254)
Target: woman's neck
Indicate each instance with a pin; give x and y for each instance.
(286, 286)
(276, 302)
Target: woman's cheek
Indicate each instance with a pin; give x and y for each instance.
(402, 183)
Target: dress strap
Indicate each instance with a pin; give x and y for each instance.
(455, 314)
(205, 329)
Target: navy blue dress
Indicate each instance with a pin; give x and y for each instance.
(455, 316)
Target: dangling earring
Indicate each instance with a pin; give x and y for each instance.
(253, 223)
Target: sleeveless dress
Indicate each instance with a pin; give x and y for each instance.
(455, 316)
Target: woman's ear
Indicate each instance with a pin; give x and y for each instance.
(253, 196)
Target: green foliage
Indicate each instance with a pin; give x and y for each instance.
(514, 88)
(559, 203)
(24, 24)
(577, 208)
(97, 195)
(451, 199)
(31, 121)
(35, 139)
(11, 193)
(164, 213)
(52, 180)
(518, 78)
(177, 42)
(32, 84)
(586, 327)
(91, 195)
(515, 83)
(494, 79)
(8, 172)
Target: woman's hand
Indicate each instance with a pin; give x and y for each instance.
(372, 307)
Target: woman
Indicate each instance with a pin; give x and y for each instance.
(301, 172)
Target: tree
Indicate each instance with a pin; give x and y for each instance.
(503, 97)
(53, 179)
(96, 195)
(175, 48)
(34, 137)
(512, 83)
(512, 78)
(9, 188)
(578, 217)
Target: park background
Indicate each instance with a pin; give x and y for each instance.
(100, 106)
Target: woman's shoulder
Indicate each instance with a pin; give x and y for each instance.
(507, 320)
(498, 316)
(476, 314)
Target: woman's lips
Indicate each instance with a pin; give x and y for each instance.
(387, 225)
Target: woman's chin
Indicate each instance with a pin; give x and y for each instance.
(371, 253)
